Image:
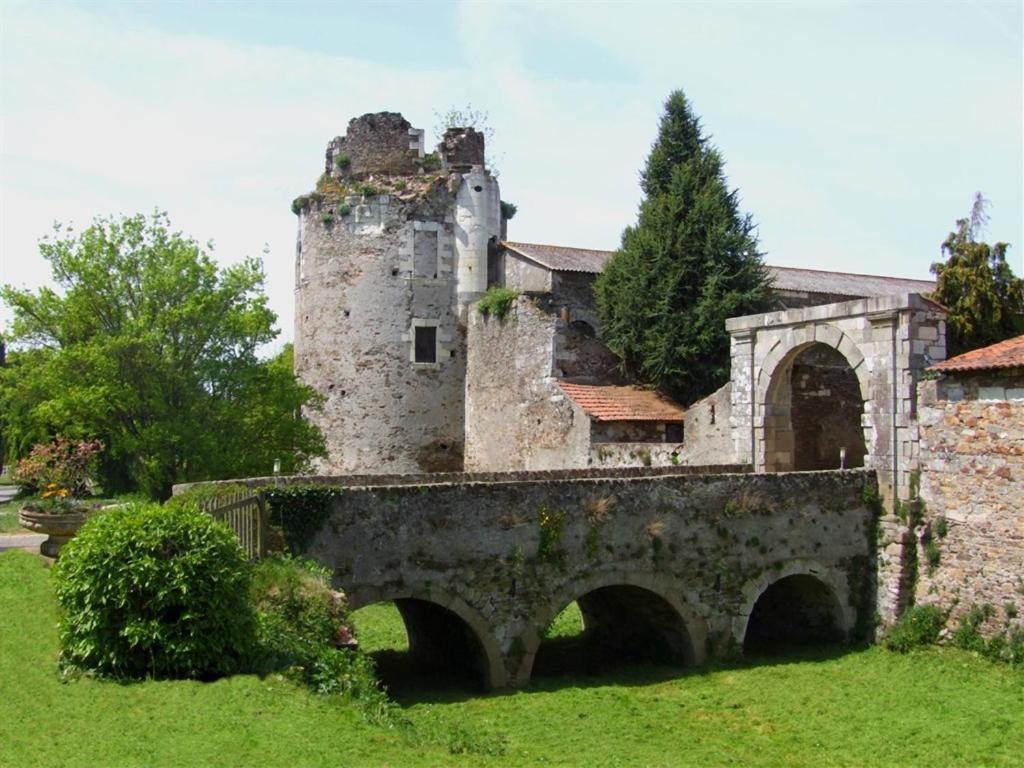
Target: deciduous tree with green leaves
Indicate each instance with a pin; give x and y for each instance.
(983, 298)
(151, 347)
(690, 262)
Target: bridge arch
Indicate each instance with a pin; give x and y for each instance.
(804, 595)
(647, 601)
(801, 433)
(438, 622)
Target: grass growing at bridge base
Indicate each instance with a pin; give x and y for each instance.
(866, 707)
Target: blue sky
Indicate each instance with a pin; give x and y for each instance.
(856, 133)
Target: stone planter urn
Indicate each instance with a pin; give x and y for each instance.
(60, 528)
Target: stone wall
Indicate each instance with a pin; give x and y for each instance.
(358, 302)
(707, 434)
(637, 454)
(521, 274)
(971, 537)
(516, 416)
(384, 142)
(506, 557)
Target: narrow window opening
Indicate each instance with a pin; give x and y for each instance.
(426, 344)
(712, 413)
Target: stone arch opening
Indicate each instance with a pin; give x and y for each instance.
(794, 611)
(618, 624)
(814, 410)
(418, 642)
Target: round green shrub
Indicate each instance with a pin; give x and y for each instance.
(919, 626)
(152, 591)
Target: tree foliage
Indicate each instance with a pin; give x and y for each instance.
(151, 348)
(985, 301)
(690, 262)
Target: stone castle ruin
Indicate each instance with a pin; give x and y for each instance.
(493, 468)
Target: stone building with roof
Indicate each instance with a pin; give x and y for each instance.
(971, 526)
(396, 244)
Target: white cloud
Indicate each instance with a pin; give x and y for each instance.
(851, 151)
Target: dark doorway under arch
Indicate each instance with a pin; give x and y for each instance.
(796, 611)
(826, 410)
(417, 644)
(615, 626)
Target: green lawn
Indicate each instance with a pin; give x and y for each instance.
(9, 516)
(863, 708)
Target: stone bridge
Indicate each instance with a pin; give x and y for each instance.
(680, 564)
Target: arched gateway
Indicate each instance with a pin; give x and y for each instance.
(858, 358)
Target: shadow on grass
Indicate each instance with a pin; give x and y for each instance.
(569, 663)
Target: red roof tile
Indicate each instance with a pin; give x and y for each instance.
(1005, 354)
(611, 403)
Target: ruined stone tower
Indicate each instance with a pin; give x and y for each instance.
(392, 248)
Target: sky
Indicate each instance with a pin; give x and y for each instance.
(856, 133)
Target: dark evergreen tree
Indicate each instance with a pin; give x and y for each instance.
(690, 262)
(984, 300)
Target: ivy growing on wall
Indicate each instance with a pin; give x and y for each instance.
(299, 511)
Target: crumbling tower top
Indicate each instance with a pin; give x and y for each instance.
(462, 148)
(381, 142)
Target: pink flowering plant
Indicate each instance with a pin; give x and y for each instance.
(59, 472)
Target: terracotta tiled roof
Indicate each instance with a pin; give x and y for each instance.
(562, 259)
(1005, 354)
(612, 403)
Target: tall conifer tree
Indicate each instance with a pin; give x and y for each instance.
(690, 262)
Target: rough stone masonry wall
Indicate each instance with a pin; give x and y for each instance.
(707, 435)
(516, 416)
(708, 544)
(972, 486)
(384, 142)
(357, 302)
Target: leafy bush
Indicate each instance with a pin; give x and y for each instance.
(343, 209)
(327, 218)
(508, 210)
(368, 190)
(968, 635)
(497, 301)
(431, 162)
(302, 629)
(299, 203)
(1006, 645)
(297, 611)
(63, 467)
(342, 161)
(920, 626)
(207, 495)
(151, 591)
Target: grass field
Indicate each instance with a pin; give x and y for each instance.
(865, 707)
(9, 516)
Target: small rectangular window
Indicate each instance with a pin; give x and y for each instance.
(426, 344)
(673, 433)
